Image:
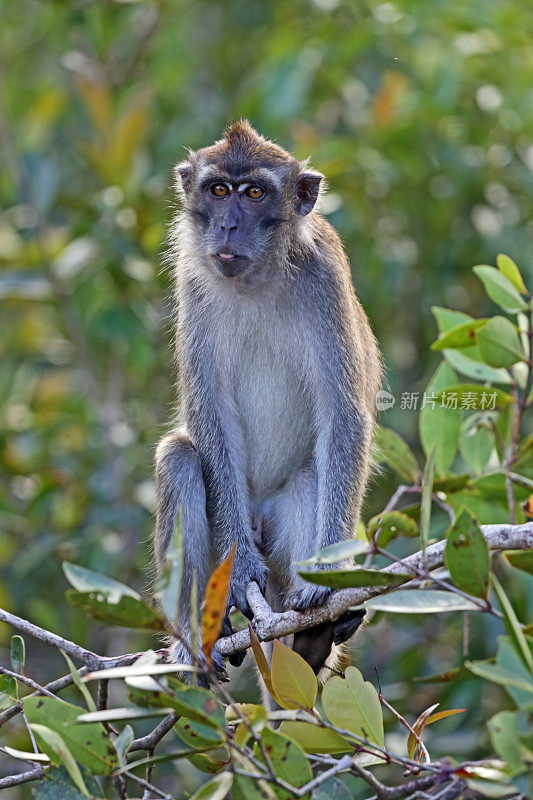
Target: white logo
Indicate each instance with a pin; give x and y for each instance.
(384, 400)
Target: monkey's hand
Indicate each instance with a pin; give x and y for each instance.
(247, 566)
(307, 597)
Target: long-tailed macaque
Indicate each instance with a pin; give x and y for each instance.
(278, 374)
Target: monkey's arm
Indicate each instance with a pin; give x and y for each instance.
(217, 441)
(344, 423)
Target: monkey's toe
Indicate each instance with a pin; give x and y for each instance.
(346, 625)
(219, 665)
(308, 597)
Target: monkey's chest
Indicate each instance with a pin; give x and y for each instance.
(274, 413)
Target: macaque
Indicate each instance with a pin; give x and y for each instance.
(278, 375)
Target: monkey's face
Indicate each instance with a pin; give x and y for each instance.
(237, 219)
(245, 196)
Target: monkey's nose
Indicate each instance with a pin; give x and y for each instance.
(229, 226)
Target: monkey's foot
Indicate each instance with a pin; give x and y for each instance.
(307, 597)
(346, 625)
(246, 568)
(179, 654)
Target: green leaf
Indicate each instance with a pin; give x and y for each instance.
(353, 704)
(192, 702)
(521, 559)
(476, 445)
(313, 739)
(18, 654)
(467, 361)
(197, 735)
(293, 680)
(123, 742)
(420, 601)
(440, 427)
(391, 524)
(473, 397)
(513, 626)
(8, 692)
(351, 578)
(251, 789)
(508, 659)
(503, 730)
(57, 785)
(507, 267)
(425, 504)
(462, 335)
(288, 760)
(336, 552)
(472, 366)
(500, 289)
(451, 483)
(91, 705)
(215, 789)
(486, 510)
(396, 453)
(85, 580)
(337, 787)
(498, 674)
(126, 611)
(447, 318)
(467, 556)
(51, 743)
(89, 744)
(499, 343)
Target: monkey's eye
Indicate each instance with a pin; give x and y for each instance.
(255, 192)
(219, 189)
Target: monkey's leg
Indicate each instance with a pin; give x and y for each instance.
(290, 536)
(180, 485)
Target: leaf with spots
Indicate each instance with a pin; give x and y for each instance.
(467, 556)
(287, 758)
(89, 743)
(215, 602)
(391, 524)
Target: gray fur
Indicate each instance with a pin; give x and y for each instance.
(278, 372)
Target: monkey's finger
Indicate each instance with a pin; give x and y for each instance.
(346, 625)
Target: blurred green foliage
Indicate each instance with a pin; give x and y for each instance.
(420, 114)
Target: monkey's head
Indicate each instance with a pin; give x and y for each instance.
(247, 197)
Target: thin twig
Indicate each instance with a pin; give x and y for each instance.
(34, 774)
(28, 682)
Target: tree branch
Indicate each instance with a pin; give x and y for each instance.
(270, 625)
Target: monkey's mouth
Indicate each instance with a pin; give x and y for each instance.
(230, 264)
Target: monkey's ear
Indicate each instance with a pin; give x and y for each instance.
(307, 190)
(183, 177)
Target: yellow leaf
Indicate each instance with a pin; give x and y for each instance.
(427, 718)
(293, 680)
(262, 663)
(313, 739)
(215, 601)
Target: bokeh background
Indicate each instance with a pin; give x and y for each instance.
(421, 116)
